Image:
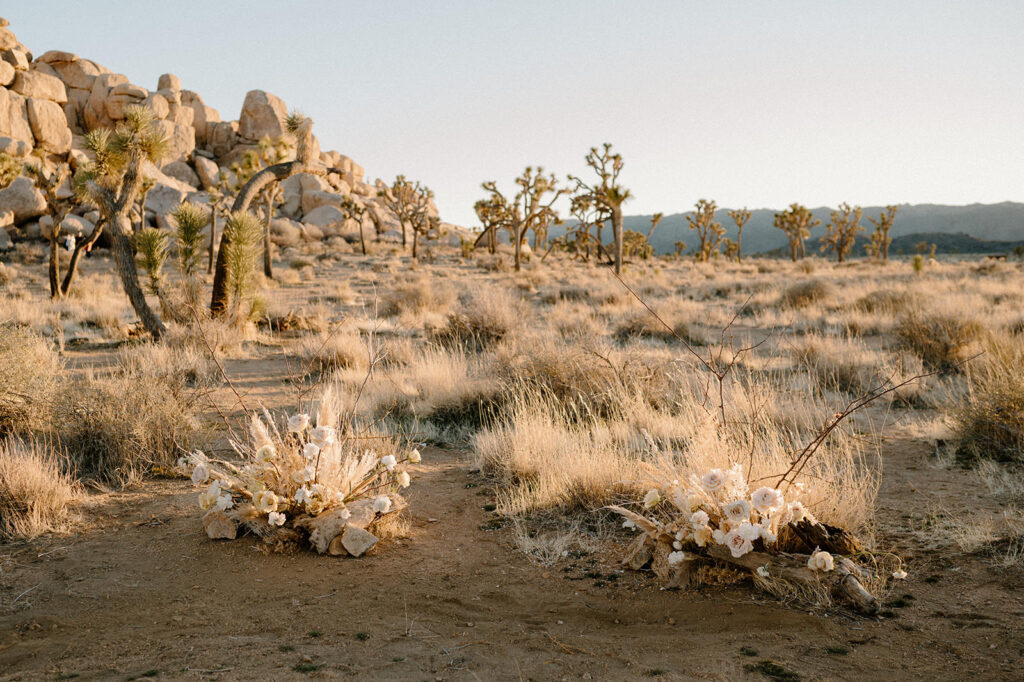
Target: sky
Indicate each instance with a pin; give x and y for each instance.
(753, 103)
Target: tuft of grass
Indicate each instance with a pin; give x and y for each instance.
(772, 670)
(29, 371)
(484, 318)
(804, 294)
(990, 422)
(942, 342)
(362, 636)
(35, 490)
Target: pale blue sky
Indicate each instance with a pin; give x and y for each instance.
(750, 103)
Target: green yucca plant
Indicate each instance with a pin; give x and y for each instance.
(242, 232)
(151, 245)
(190, 220)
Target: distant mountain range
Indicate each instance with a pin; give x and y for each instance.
(977, 228)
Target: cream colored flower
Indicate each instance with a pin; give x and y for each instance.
(762, 571)
(298, 423)
(737, 512)
(677, 545)
(699, 518)
(713, 480)
(676, 558)
(749, 531)
(767, 500)
(652, 498)
(389, 462)
(403, 479)
(303, 495)
(415, 457)
(265, 502)
(899, 575)
(345, 514)
(718, 535)
(303, 475)
(702, 534)
(382, 505)
(315, 505)
(628, 524)
(820, 561)
(310, 451)
(208, 498)
(266, 453)
(276, 518)
(200, 474)
(737, 543)
(224, 502)
(322, 436)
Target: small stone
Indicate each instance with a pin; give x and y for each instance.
(220, 526)
(357, 541)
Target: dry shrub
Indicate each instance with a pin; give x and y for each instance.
(943, 342)
(29, 371)
(35, 490)
(835, 364)
(886, 301)
(643, 325)
(325, 353)
(804, 294)
(416, 296)
(484, 317)
(184, 366)
(119, 428)
(990, 423)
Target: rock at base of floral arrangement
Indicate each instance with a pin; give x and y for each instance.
(220, 526)
(323, 529)
(356, 541)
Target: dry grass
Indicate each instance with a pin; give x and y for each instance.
(990, 422)
(483, 318)
(943, 342)
(29, 372)
(35, 490)
(804, 294)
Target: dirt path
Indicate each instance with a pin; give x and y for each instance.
(140, 591)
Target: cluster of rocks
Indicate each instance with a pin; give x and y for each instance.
(48, 103)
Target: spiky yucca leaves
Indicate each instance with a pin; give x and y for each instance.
(151, 245)
(242, 233)
(136, 138)
(190, 219)
(301, 128)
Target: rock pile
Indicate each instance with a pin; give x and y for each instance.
(48, 103)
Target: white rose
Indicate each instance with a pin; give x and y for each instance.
(415, 457)
(265, 502)
(276, 518)
(652, 498)
(310, 451)
(322, 436)
(208, 498)
(303, 495)
(676, 558)
(266, 453)
(200, 474)
(224, 502)
(820, 561)
(899, 575)
(737, 511)
(737, 544)
(749, 531)
(713, 480)
(699, 518)
(382, 505)
(766, 500)
(389, 462)
(762, 571)
(403, 479)
(298, 423)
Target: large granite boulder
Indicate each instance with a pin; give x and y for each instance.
(24, 199)
(263, 115)
(39, 84)
(49, 125)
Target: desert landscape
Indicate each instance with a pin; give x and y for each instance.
(262, 417)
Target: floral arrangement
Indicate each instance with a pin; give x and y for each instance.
(717, 517)
(302, 481)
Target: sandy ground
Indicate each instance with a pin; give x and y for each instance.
(139, 591)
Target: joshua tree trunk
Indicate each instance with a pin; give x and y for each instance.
(519, 246)
(617, 232)
(54, 271)
(362, 238)
(403, 233)
(268, 267)
(415, 241)
(739, 246)
(124, 257)
(82, 246)
(213, 237)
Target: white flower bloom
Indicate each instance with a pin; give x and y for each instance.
(345, 514)
(403, 479)
(767, 535)
(303, 495)
(762, 571)
(652, 498)
(748, 531)
(713, 480)
(389, 462)
(303, 475)
(628, 524)
(266, 453)
(310, 451)
(265, 502)
(382, 505)
(737, 544)
(298, 423)
(699, 518)
(224, 502)
(702, 534)
(899, 575)
(676, 558)
(415, 457)
(820, 561)
(738, 511)
(766, 500)
(693, 499)
(201, 474)
(322, 436)
(276, 518)
(718, 535)
(208, 498)
(677, 545)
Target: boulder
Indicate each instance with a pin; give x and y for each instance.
(263, 115)
(6, 218)
(324, 216)
(38, 84)
(7, 39)
(5, 240)
(158, 105)
(95, 112)
(312, 233)
(317, 198)
(164, 198)
(219, 526)
(202, 116)
(207, 171)
(49, 125)
(6, 74)
(222, 136)
(285, 232)
(74, 71)
(17, 58)
(181, 140)
(14, 117)
(77, 225)
(122, 96)
(22, 197)
(15, 148)
(291, 196)
(179, 170)
(169, 81)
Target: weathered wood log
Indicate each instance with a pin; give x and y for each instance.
(828, 538)
(220, 526)
(640, 552)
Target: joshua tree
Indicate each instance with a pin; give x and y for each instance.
(655, 221)
(355, 210)
(709, 232)
(740, 217)
(111, 182)
(797, 222)
(531, 206)
(410, 201)
(606, 194)
(493, 214)
(880, 239)
(58, 208)
(144, 187)
(270, 195)
(302, 128)
(842, 231)
(220, 200)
